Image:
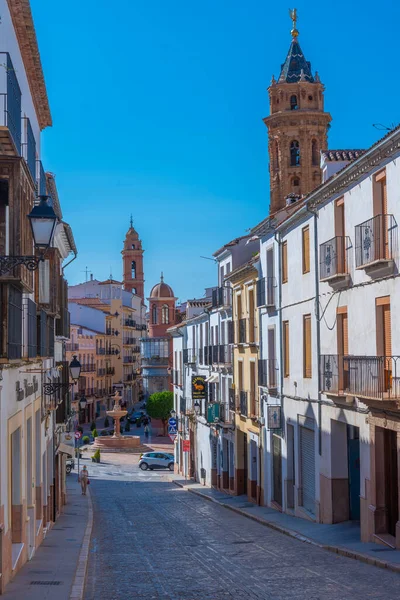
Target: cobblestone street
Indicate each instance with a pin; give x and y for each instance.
(154, 540)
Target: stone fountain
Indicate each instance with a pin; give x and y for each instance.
(117, 441)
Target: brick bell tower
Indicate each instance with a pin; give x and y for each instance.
(297, 127)
(133, 263)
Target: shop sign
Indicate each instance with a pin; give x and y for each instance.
(186, 445)
(213, 413)
(198, 387)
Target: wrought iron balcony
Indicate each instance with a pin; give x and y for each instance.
(376, 241)
(129, 323)
(242, 403)
(225, 354)
(110, 370)
(245, 331)
(88, 368)
(71, 347)
(222, 297)
(268, 371)
(367, 377)
(266, 291)
(101, 372)
(10, 108)
(100, 351)
(189, 356)
(333, 258)
(128, 359)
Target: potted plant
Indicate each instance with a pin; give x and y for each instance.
(94, 433)
(86, 439)
(96, 456)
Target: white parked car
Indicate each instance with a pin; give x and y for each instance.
(156, 460)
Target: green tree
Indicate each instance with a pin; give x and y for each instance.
(94, 433)
(159, 406)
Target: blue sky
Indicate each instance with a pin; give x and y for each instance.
(157, 111)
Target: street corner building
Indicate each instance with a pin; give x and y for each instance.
(33, 304)
(286, 375)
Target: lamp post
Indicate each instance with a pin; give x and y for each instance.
(75, 368)
(43, 221)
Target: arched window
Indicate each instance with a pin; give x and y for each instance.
(133, 290)
(133, 269)
(133, 246)
(294, 153)
(296, 182)
(165, 314)
(293, 102)
(314, 152)
(154, 315)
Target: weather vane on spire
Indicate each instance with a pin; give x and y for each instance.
(293, 16)
(131, 220)
(162, 277)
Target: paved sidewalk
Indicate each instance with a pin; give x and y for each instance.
(342, 538)
(56, 560)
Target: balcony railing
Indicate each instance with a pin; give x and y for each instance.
(189, 356)
(376, 240)
(245, 331)
(370, 377)
(333, 257)
(130, 377)
(110, 370)
(88, 368)
(10, 101)
(222, 296)
(266, 291)
(100, 351)
(128, 359)
(225, 413)
(129, 341)
(101, 372)
(268, 371)
(241, 403)
(225, 354)
(129, 323)
(136, 349)
(29, 148)
(71, 347)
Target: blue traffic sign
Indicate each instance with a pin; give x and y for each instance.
(172, 429)
(172, 422)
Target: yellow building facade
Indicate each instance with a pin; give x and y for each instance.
(248, 471)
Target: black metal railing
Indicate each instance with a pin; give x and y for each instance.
(136, 349)
(129, 323)
(41, 185)
(101, 372)
(29, 148)
(268, 371)
(189, 356)
(100, 351)
(242, 403)
(266, 291)
(10, 103)
(373, 377)
(245, 331)
(376, 239)
(231, 396)
(88, 368)
(128, 359)
(225, 354)
(333, 257)
(221, 296)
(110, 370)
(215, 354)
(129, 341)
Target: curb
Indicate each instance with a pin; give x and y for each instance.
(340, 550)
(78, 585)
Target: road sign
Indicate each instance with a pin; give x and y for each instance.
(172, 436)
(186, 445)
(172, 422)
(172, 429)
(78, 435)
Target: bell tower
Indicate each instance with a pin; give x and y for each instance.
(297, 126)
(132, 256)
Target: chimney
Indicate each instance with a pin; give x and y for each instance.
(91, 276)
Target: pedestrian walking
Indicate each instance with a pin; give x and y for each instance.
(146, 430)
(84, 479)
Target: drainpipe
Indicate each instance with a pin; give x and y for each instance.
(278, 240)
(72, 260)
(318, 322)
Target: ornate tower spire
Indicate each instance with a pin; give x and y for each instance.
(132, 256)
(297, 126)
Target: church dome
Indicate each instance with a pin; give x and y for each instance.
(162, 290)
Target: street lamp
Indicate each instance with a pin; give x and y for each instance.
(197, 408)
(173, 413)
(82, 402)
(74, 370)
(43, 221)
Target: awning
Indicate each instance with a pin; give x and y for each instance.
(65, 449)
(213, 378)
